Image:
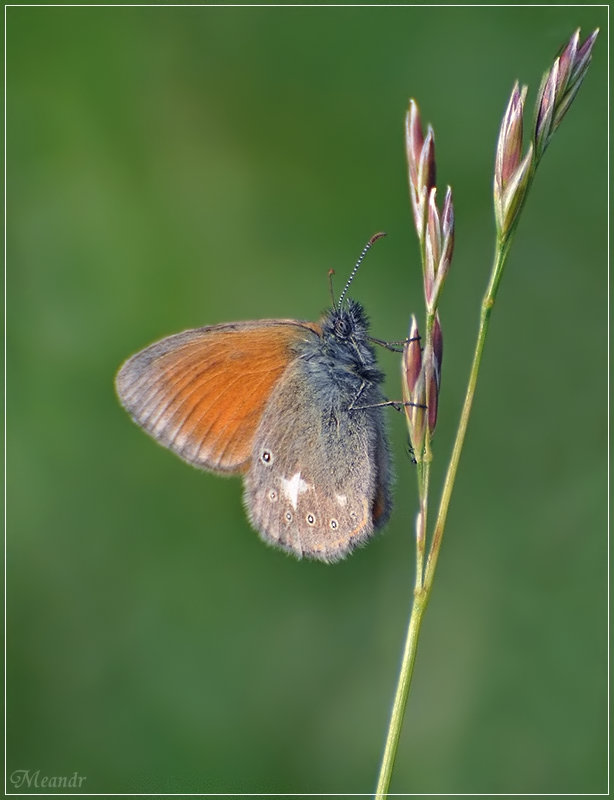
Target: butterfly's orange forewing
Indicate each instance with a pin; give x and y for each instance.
(202, 393)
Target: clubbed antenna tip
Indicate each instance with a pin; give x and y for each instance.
(365, 250)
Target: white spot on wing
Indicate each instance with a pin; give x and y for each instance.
(341, 499)
(291, 488)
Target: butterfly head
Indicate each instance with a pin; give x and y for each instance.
(346, 324)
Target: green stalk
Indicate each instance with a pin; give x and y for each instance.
(400, 698)
(513, 179)
(488, 303)
(423, 588)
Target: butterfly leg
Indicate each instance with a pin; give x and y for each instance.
(398, 405)
(394, 346)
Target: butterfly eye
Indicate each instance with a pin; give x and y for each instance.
(334, 524)
(288, 516)
(266, 457)
(273, 496)
(342, 328)
(311, 520)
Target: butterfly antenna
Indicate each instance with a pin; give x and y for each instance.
(331, 289)
(365, 250)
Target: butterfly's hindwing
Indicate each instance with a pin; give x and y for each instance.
(318, 472)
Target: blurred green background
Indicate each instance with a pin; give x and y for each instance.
(174, 167)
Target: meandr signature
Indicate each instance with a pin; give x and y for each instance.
(33, 779)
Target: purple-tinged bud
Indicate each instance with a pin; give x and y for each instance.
(412, 359)
(568, 52)
(567, 58)
(508, 206)
(432, 402)
(425, 182)
(413, 142)
(559, 87)
(433, 380)
(577, 72)
(583, 57)
(509, 146)
(509, 149)
(437, 348)
(427, 172)
(447, 247)
(545, 109)
(414, 396)
(432, 248)
(433, 227)
(421, 164)
(511, 174)
(447, 218)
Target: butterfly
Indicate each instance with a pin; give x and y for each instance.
(294, 407)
